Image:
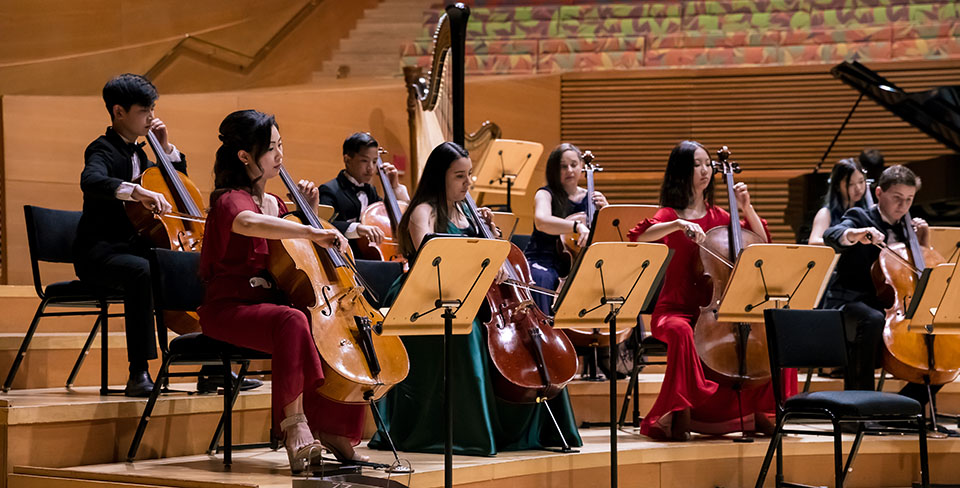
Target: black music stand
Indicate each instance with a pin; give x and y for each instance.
(595, 293)
(441, 296)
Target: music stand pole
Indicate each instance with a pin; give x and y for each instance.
(440, 279)
(623, 285)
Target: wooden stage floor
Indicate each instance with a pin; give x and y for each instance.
(888, 461)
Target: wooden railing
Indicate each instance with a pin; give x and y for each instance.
(223, 57)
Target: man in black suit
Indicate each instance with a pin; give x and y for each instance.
(108, 253)
(851, 289)
(351, 191)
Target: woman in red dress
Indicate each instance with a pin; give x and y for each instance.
(242, 306)
(688, 400)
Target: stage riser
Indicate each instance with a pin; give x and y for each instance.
(19, 311)
(107, 441)
(49, 363)
(590, 399)
(871, 470)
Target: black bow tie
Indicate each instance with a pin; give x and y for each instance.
(356, 188)
(134, 146)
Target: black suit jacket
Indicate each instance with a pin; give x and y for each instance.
(341, 194)
(851, 280)
(104, 223)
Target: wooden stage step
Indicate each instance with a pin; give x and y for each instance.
(19, 303)
(889, 461)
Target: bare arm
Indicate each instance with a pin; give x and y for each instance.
(658, 231)
(546, 222)
(820, 224)
(422, 222)
(252, 224)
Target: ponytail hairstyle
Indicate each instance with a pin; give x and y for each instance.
(247, 130)
(559, 199)
(432, 190)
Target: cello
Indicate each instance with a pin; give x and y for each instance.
(359, 364)
(386, 215)
(568, 252)
(916, 356)
(181, 229)
(532, 360)
(733, 354)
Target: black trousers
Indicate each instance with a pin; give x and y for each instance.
(864, 326)
(119, 268)
(864, 331)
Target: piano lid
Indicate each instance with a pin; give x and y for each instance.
(936, 112)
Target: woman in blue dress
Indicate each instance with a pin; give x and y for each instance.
(559, 208)
(413, 409)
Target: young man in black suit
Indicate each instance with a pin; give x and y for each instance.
(851, 289)
(351, 191)
(108, 254)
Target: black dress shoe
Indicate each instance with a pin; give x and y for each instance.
(139, 385)
(211, 380)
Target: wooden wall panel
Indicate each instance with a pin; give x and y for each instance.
(777, 121)
(61, 47)
(526, 108)
(43, 153)
(44, 137)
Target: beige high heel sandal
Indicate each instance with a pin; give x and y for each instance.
(302, 457)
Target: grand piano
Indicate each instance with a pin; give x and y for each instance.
(936, 112)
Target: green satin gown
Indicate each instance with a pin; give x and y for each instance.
(482, 424)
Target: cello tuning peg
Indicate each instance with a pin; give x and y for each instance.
(735, 166)
(381, 150)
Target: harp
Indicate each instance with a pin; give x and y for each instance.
(435, 101)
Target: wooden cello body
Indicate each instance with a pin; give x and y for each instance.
(182, 232)
(386, 215)
(359, 364)
(916, 356)
(732, 353)
(531, 360)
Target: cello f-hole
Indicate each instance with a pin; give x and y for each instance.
(327, 307)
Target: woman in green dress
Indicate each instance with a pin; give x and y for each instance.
(413, 410)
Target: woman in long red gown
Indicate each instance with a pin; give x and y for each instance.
(242, 306)
(688, 400)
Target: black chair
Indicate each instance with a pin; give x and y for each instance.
(379, 276)
(521, 240)
(815, 339)
(50, 236)
(644, 349)
(177, 287)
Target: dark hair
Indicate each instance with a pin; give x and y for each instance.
(898, 175)
(560, 202)
(841, 172)
(357, 142)
(247, 130)
(128, 89)
(678, 177)
(432, 190)
(871, 159)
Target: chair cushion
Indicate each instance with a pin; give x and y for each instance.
(855, 403)
(76, 290)
(197, 344)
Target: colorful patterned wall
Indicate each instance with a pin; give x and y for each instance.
(548, 36)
